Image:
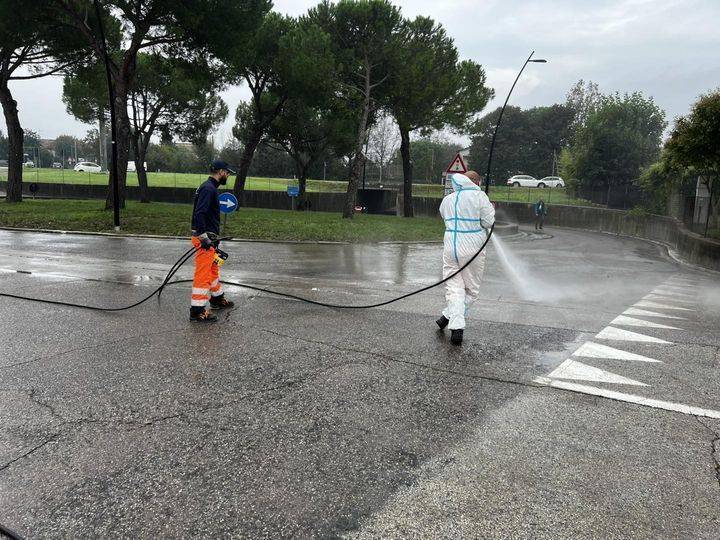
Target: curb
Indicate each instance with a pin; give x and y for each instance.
(246, 240)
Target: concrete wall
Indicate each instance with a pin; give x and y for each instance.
(381, 201)
(279, 200)
(692, 247)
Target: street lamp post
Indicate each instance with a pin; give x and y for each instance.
(497, 125)
(113, 127)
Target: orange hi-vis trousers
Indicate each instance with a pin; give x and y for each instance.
(206, 281)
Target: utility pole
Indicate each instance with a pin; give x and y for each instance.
(492, 143)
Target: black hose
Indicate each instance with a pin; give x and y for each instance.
(4, 531)
(186, 256)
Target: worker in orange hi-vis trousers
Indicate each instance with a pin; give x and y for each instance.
(205, 231)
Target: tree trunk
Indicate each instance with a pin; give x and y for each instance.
(122, 143)
(140, 149)
(250, 145)
(359, 157)
(15, 144)
(407, 172)
(102, 133)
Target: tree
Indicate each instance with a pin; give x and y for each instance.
(286, 59)
(155, 25)
(3, 146)
(583, 99)
(309, 133)
(26, 39)
(620, 137)
(176, 95)
(527, 141)
(430, 89)
(86, 98)
(695, 142)
(431, 156)
(383, 143)
(364, 35)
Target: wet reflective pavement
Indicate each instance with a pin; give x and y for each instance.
(285, 419)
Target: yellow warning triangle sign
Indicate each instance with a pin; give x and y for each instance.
(457, 165)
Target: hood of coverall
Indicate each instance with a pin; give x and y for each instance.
(460, 181)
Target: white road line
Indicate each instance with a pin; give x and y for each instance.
(572, 369)
(668, 292)
(630, 321)
(629, 398)
(645, 313)
(664, 298)
(595, 350)
(618, 334)
(676, 287)
(656, 305)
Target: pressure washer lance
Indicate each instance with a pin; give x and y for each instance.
(189, 253)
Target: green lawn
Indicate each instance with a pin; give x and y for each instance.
(164, 179)
(255, 223)
(506, 193)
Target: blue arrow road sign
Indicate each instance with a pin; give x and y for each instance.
(293, 191)
(228, 203)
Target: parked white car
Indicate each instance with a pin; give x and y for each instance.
(29, 164)
(551, 181)
(88, 166)
(522, 180)
(133, 168)
(525, 180)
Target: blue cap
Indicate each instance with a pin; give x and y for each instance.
(219, 165)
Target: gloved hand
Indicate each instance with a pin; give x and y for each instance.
(205, 241)
(214, 238)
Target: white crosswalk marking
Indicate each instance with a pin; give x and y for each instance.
(596, 350)
(669, 292)
(645, 313)
(656, 305)
(662, 298)
(572, 369)
(612, 333)
(629, 398)
(630, 321)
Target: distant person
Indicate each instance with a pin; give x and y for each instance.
(540, 213)
(205, 231)
(468, 215)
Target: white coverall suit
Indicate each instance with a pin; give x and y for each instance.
(468, 215)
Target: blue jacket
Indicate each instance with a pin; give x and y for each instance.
(540, 209)
(206, 208)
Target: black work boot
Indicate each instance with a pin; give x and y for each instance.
(220, 302)
(456, 337)
(442, 322)
(200, 314)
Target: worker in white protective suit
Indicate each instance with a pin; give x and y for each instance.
(468, 215)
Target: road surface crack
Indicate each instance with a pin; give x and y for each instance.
(31, 451)
(97, 344)
(714, 447)
(398, 360)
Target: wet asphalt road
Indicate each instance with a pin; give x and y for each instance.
(284, 419)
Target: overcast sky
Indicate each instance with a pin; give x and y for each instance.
(667, 49)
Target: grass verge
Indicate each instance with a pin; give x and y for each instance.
(251, 223)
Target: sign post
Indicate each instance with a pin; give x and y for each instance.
(228, 204)
(293, 192)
